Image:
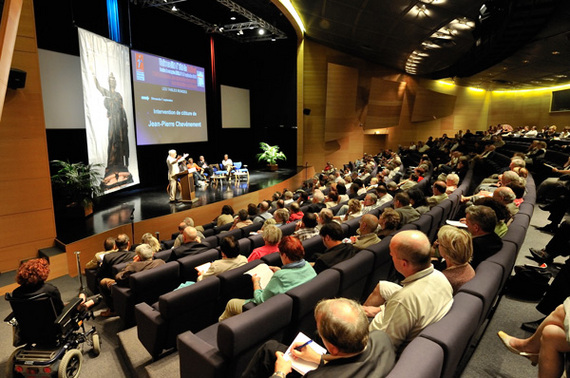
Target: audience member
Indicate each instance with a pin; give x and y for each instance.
(108, 246)
(192, 245)
(402, 206)
(271, 237)
(425, 297)
(229, 249)
(366, 232)
(439, 194)
(264, 213)
(227, 216)
(307, 228)
(481, 222)
(241, 220)
(337, 251)
(353, 351)
(294, 272)
(456, 248)
(388, 222)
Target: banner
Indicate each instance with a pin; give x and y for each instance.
(107, 98)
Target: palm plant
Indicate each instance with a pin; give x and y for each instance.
(76, 183)
(270, 154)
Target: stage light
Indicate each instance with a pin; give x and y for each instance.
(261, 31)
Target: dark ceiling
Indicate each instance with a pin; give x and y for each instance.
(511, 44)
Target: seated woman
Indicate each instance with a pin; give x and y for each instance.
(281, 217)
(252, 210)
(241, 220)
(388, 222)
(455, 246)
(546, 347)
(230, 259)
(354, 210)
(294, 272)
(227, 216)
(147, 238)
(331, 199)
(452, 181)
(271, 236)
(418, 200)
(32, 276)
(296, 213)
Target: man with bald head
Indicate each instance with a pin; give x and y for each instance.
(439, 194)
(264, 213)
(352, 350)
(424, 297)
(367, 232)
(506, 196)
(192, 245)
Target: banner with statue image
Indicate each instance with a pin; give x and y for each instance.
(107, 98)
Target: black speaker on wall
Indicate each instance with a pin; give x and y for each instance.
(306, 111)
(16, 79)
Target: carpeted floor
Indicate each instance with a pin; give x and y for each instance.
(490, 359)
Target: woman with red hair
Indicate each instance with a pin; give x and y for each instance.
(294, 272)
(31, 277)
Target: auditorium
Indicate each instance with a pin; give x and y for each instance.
(187, 184)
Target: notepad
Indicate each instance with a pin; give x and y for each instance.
(456, 223)
(302, 366)
(203, 268)
(263, 272)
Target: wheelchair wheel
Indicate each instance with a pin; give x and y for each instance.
(96, 344)
(70, 364)
(10, 363)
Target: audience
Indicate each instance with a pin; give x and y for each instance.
(231, 259)
(294, 272)
(271, 237)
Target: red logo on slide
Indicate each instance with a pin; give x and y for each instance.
(139, 61)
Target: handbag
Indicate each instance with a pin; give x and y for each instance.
(528, 283)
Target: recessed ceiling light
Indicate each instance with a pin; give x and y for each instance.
(233, 18)
(548, 79)
(526, 61)
(560, 76)
(261, 31)
(556, 53)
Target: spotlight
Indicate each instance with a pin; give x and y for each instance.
(261, 31)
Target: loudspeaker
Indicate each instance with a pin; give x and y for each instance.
(306, 111)
(16, 79)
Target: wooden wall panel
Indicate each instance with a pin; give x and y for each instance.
(384, 104)
(8, 35)
(26, 219)
(342, 84)
(530, 108)
(430, 105)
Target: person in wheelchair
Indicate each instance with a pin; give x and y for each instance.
(44, 325)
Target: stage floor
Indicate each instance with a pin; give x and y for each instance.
(118, 208)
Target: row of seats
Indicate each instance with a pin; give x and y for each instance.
(443, 348)
(223, 349)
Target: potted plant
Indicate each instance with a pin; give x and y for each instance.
(270, 155)
(74, 186)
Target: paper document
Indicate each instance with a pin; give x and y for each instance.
(456, 223)
(203, 268)
(263, 272)
(302, 366)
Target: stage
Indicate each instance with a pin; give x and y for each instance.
(118, 208)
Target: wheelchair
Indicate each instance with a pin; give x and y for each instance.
(49, 343)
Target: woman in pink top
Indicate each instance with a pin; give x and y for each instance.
(271, 236)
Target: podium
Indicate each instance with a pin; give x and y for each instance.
(186, 180)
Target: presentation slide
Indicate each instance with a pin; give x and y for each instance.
(170, 100)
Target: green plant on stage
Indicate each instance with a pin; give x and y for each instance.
(270, 154)
(76, 183)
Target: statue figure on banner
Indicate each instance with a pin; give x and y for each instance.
(117, 171)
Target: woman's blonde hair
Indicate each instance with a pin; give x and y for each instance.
(272, 234)
(147, 238)
(457, 244)
(354, 204)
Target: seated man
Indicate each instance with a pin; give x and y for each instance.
(192, 245)
(337, 251)
(402, 206)
(439, 194)
(142, 261)
(121, 255)
(425, 297)
(307, 228)
(481, 222)
(353, 351)
(109, 246)
(367, 232)
(227, 163)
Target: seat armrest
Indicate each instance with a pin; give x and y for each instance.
(151, 329)
(199, 358)
(66, 312)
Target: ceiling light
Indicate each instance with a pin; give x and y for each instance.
(174, 9)
(233, 18)
(430, 45)
(433, 1)
(273, 40)
(261, 31)
(526, 61)
(556, 53)
(420, 53)
(462, 23)
(560, 76)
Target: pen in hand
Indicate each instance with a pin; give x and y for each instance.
(298, 348)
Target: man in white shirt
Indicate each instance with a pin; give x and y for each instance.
(227, 163)
(425, 297)
(383, 195)
(173, 169)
